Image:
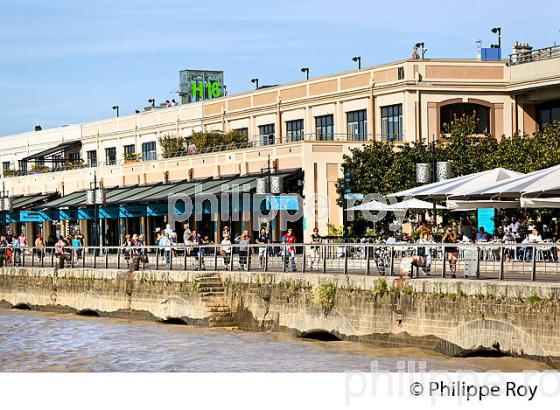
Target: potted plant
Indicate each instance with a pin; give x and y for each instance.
(75, 164)
(39, 169)
(11, 173)
(131, 157)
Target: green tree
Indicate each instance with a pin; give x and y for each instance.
(383, 167)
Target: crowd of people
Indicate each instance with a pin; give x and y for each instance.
(518, 233)
(13, 247)
(197, 246)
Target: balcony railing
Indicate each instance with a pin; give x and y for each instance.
(534, 55)
(253, 142)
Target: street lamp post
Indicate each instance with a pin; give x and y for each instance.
(359, 60)
(116, 108)
(256, 82)
(96, 197)
(152, 102)
(306, 71)
(497, 30)
(434, 178)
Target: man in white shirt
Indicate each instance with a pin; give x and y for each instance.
(514, 225)
(533, 237)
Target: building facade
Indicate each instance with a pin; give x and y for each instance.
(300, 130)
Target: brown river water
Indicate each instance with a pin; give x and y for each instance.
(49, 342)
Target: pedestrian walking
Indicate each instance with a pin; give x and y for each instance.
(263, 240)
(315, 248)
(451, 252)
(244, 240)
(225, 250)
(291, 250)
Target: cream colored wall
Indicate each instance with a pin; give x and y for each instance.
(523, 76)
(16, 147)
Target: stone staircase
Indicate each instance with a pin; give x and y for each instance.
(212, 292)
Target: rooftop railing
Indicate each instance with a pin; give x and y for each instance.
(191, 150)
(523, 57)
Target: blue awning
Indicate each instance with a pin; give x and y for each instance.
(68, 214)
(108, 212)
(132, 211)
(86, 214)
(38, 216)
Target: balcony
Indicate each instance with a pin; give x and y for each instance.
(191, 150)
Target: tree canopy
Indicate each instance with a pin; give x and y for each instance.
(386, 167)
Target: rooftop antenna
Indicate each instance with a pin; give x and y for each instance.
(478, 48)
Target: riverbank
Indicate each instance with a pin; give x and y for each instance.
(453, 317)
(55, 342)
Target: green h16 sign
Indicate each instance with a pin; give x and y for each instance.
(213, 89)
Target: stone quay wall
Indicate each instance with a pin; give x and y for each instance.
(452, 316)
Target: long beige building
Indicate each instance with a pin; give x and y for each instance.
(304, 128)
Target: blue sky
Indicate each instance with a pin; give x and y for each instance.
(69, 61)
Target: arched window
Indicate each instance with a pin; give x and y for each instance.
(450, 111)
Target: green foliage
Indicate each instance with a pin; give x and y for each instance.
(195, 285)
(170, 144)
(349, 287)
(217, 139)
(533, 299)
(409, 289)
(131, 156)
(323, 295)
(380, 287)
(39, 168)
(386, 167)
(11, 172)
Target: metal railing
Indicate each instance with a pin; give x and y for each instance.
(252, 142)
(534, 55)
(523, 262)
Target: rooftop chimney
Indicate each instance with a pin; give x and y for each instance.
(521, 52)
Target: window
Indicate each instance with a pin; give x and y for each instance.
(111, 156)
(129, 149)
(40, 161)
(400, 73)
(243, 131)
(149, 151)
(294, 130)
(57, 161)
(548, 113)
(451, 111)
(5, 165)
(74, 157)
(266, 133)
(357, 125)
(22, 165)
(92, 158)
(391, 122)
(324, 127)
